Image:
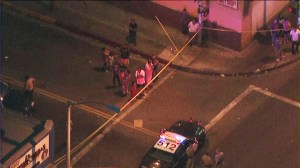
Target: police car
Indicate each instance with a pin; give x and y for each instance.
(170, 149)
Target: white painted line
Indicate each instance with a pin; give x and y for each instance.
(241, 96)
(228, 108)
(278, 97)
(94, 142)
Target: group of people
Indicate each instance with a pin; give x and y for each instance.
(217, 161)
(121, 74)
(191, 26)
(207, 160)
(282, 32)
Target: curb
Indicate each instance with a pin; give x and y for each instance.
(76, 30)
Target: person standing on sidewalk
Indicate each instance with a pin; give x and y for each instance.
(277, 46)
(184, 20)
(132, 32)
(295, 39)
(274, 30)
(193, 28)
(286, 30)
(29, 87)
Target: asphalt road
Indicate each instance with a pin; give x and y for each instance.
(259, 131)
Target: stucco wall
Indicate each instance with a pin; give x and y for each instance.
(226, 16)
(264, 11)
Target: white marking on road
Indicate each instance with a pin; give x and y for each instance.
(278, 97)
(228, 108)
(90, 146)
(243, 95)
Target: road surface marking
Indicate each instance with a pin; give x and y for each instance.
(91, 145)
(278, 97)
(251, 88)
(235, 101)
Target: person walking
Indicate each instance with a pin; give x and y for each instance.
(132, 32)
(29, 87)
(149, 71)
(125, 53)
(184, 20)
(193, 27)
(218, 159)
(295, 39)
(115, 73)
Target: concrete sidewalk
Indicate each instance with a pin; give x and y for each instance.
(108, 24)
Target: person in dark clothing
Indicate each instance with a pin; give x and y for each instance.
(125, 53)
(184, 20)
(105, 53)
(115, 74)
(132, 32)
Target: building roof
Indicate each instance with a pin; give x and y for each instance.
(16, 131)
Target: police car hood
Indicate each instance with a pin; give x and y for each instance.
(149, 162)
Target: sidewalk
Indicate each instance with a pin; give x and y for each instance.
(108, 24)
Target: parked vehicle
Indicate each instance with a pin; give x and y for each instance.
(16, 100)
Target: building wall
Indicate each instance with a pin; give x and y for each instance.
(264, 11)
(241, 23)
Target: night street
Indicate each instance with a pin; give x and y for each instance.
(260, 128)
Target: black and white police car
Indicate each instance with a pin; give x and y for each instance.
(170, 149)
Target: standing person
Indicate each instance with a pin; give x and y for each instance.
(193, 28)
(105, 53)
(184, 20)
(280, 20)
(277, 46)
(140, 78)
(125, 77)
(206, 160)
(115, 73)
(149, 71)
(286, 30)
(125, 53)
(29, 87)
(190, 151)
(132, 31)
(295, 39)
(274, 30)
(218, 159)
(133, 89)
(155, 63)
